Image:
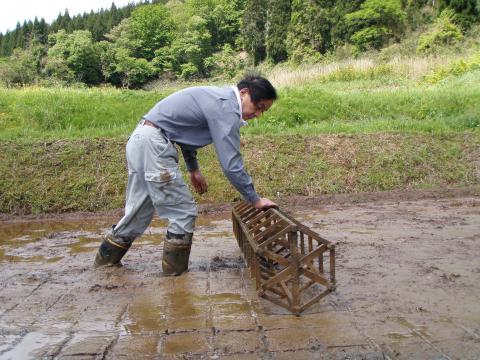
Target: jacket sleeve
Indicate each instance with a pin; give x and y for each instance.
(190, 157)
(225, 132)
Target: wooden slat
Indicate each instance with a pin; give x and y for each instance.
(275, 237)
(313, 254)
(315, 299)
(332, 264)
(287, 292)
(315, 277)
(281, 254)
(282, 275)
(259, 216)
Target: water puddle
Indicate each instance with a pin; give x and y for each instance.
(32, 345)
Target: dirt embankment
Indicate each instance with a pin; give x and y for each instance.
(90, 175)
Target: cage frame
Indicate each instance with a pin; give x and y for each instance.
(271, 238)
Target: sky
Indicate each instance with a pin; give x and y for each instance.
(12, 11)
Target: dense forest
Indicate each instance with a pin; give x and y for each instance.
(132, 45)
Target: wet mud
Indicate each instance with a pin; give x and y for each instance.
(408, 275)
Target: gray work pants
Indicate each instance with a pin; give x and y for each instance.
(155, 183)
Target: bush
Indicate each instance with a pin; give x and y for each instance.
(444, 32)
(456, 68)
(376, 23)
(225, 63)
(188, 71)
(19, 69)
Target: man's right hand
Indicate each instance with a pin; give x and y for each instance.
(264, 203)
(198, 181)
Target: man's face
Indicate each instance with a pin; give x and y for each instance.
(250, 109)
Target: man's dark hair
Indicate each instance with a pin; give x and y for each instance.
(259, 87)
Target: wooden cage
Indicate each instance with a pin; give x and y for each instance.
(292, 265)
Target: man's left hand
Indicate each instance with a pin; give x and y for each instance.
(198, 181)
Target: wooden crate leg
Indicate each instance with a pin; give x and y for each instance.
(295, 263)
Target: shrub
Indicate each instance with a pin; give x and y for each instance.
(224, 63)
(376, 23)
(456, 68)
(444, 32)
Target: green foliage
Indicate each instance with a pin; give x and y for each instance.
(377, 22)
(225, 21)
(444, 32)
(152, 27)
(190, 50)
(277, 29)
(225, 63)
(19, 69)
(419, 12)
(456, 68)
(24, 66)
(466, 11)
(78, 52)
(57, 71)
(305, 35)
(188, 39)
(122, 69)
(253, 29)
(98, 23)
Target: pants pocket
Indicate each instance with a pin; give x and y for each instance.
(168, 188)
(162, 175)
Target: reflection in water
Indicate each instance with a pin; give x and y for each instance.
(48, 241)
(31, 345)
(145, 314)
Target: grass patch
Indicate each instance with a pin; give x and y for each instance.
(352, 130)
(58, 113)
(349, 107)
(91, 175)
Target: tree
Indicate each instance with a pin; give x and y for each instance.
(224, 22)
(305, 39)
(121, 69)
(253, 29)
(190, 50)
(376, 23)
(278, 19)
(20, 39)
(24, 66)
(467, 11)
(8, 44)
(444, 32)
(153, 27)
(340, 32)
(79, 52)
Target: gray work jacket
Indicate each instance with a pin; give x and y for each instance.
(198, 116)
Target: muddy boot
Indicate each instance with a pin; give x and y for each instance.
(110, 253)
(176, 252)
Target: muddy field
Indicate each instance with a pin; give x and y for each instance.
(408, 275)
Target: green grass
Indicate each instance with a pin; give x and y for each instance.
(90, 175)
(325, 108)
(63, 149)
(358, 106)
(58, 113)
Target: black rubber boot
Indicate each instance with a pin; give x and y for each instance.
(176, 252)
(110, 253)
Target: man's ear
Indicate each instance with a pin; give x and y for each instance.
(244, 91)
